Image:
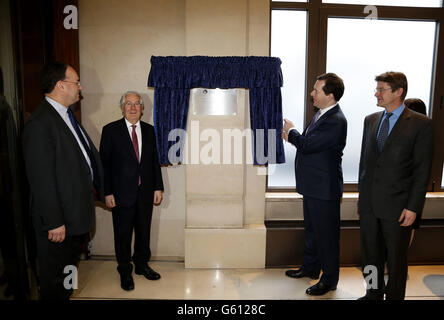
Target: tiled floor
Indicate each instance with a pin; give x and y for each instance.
(98, 279)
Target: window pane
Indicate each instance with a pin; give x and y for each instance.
(358, 50)
(401, 3)
(288, 42)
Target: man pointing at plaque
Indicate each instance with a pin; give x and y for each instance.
(318, 168)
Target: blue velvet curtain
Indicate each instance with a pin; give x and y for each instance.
(173, 77)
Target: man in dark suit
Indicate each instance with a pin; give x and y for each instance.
(133, 183)
(64, 173)
(318, 167)
(394, 169)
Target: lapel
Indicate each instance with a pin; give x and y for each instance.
(128, 141)
(397, 128)
(59, 122)
(91, 145)
(373, 131)
(145, 142)
(321, 119)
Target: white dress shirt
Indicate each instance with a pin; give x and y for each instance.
(138, 133)
(323, 111)
(63, 112)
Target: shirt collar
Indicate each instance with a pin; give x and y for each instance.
(323, 111)
(61, 109)
(398, 111)
(129, 124)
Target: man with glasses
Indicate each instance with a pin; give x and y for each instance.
(133, 183)
(394, 169)
(65, 177)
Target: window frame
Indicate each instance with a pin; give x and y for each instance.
(318, 14)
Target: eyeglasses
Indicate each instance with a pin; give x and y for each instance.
(381, 90)
(130, 104)
(75, 82)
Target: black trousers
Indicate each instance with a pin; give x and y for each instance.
(136, 218)
(321, 250)
(381, 241)
(53, 258)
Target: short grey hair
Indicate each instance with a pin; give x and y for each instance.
(122, 99)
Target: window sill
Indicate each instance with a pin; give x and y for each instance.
(294, 196)
(288, 206)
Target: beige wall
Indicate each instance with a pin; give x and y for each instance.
(117, 39)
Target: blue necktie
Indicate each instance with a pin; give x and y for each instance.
(76, 127)
(384, 132)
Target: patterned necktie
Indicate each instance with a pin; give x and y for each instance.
(384, 132)
(136, 145)
(135, 142)
(76, 127)
(313, 121)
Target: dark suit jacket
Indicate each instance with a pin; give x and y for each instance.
(319, 156)
(398, 177)
(122, 169)
(59, 176)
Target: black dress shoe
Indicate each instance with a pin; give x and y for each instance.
(149, 273)
(301, 274)
(126, 282)
(319, 289)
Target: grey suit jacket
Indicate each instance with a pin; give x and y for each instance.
(58, 174)
(396, 178)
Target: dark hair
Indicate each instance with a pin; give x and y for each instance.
(395, 80)
(333, 84)
(416, 105)
(51, 74)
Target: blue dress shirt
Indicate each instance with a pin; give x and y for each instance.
(392, 120)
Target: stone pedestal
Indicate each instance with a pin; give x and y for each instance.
(219, 231)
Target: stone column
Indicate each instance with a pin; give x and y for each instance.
(216, 232)
(225, 204)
